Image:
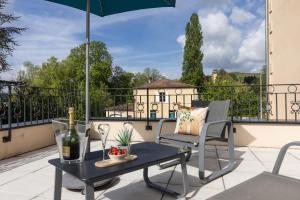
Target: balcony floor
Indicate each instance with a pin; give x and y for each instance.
(29, 176)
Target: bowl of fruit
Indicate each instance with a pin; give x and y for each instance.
(117, 153)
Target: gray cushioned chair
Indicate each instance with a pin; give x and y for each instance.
(213, 129)
(266, 185)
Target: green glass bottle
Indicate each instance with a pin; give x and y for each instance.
(71, 146)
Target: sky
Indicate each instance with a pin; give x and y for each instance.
(233, 31)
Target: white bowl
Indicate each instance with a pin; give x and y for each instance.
(117, 157)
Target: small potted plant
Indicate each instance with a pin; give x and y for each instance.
(124, 139)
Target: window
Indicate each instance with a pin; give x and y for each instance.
(162, 97)
(152, 114)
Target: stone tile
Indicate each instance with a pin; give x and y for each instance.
(236, 177)
(131, 191)
(32, 184)
(41, 198)
(247, 166)
(265, 154)
(66, 194)
(241, 153)
(192, 170)
(13, 196)
(9, 176)
(35, 179)
(195, 193)
(295, 153)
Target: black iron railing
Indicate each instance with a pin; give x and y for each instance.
(278, 103)
(21, 105)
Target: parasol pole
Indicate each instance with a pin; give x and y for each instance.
(87, 63)
(87, 51)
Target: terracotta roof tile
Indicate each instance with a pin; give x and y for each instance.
(165, 83)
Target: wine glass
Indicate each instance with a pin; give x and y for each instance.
(103, 132)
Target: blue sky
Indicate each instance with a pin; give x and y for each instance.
(234, 34)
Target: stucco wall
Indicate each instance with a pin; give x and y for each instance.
(254, 135)
(26, 139)
(283, 54)
(283, 38)
(266, 135)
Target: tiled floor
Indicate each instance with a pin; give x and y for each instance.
(29, 176)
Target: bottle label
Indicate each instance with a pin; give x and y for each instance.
(66, 151)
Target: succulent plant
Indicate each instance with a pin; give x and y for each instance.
(124, 137)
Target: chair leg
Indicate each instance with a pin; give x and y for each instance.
(228, 168)
(189, 154)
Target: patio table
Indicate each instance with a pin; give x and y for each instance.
(148, 153)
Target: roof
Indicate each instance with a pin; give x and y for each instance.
(165, 83)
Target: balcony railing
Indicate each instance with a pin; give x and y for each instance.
(278, 103)
(21, 105)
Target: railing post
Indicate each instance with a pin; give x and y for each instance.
(232, 90)
(8, 138)
(148, 126)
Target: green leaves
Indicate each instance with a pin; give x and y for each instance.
(7, 33)
(124, 137)
(192, 69)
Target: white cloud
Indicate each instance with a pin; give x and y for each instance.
(45, 37)
(221, 40)
(252, 50)
(181, 40)
(229, 45)
(240, 16)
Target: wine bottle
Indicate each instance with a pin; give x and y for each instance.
(71, 139)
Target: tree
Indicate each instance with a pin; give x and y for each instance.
(28, 74)
(120, 78)
(100, 64)
(149, 75)
(70, 74)
(7, 42)
(192, 69)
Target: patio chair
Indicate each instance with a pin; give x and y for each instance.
(213, 129)
(266, 185)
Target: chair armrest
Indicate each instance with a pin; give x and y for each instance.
(217, 122)
(281, 156)
(159, 127)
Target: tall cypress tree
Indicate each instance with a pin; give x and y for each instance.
(7, 41)
(192, 69)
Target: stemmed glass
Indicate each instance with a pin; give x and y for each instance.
(103, 132)
(129, 127)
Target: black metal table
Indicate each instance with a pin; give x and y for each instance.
(148, 153)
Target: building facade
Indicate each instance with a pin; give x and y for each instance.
(283, 53)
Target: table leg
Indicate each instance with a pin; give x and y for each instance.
(89, 192)
(166, 190)
(185, 180)
(58, 184)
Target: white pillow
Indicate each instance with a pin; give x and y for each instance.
(190, 120)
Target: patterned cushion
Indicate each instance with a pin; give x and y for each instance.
(190, 120)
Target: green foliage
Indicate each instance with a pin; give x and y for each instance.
(192, 69)
(124, 137)
(148, 75)
(7, 41)
(244, 97)
(120, 78)
(27, 75)
(69, 75)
